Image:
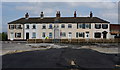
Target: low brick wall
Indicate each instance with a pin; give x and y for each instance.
(74, 40)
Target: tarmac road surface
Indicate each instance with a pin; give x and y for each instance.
(59, 58)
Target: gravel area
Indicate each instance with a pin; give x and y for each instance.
(11, 47)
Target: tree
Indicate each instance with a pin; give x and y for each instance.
(3, 36)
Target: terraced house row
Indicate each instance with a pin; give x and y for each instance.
(59, 27)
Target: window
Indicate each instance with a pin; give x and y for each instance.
(50, 35)
(18, 35)
(79, 34)
(104, 26)
(97, 35)
(18, 27)
(12, 33)
(34, 26)
(50, 26)
(63, 26)
(44, 27)
(56, 26)
(70, 32)
(88, 26)
(83, 26)
(43, 34)
(69, 25)
(11, 26)
(79, 25)
(27, 26)
(97, 26)
(33, 35)
(63, 34)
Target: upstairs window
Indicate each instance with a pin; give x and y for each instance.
(63, 26)
(88, 26)
(56, 25)
(69, 25)
(44, 27)
(18, 27)
(34, 26)
(104, 26)
(97, 35)
(79, 25)
(50, 26)
(11, 26)
(27, 26)
(17, 35)
(83, 26)
(97, 26)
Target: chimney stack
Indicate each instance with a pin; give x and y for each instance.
(41, 15)
(26, 15)
(58, 14)
(75, 14)
(91, 14)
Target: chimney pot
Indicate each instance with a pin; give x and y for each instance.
(91, 14)
(75, 14)
(58, 14)
(27, 15)
(41, 15)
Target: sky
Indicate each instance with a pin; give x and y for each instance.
(13, 9)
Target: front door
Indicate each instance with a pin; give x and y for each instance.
(87, 35)
(11, 36)
(104, 36)
(69, 35)
(27, 35)
(56, 34)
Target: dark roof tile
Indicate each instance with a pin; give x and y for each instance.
(59, 20)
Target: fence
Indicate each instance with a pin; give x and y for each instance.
(74, 40)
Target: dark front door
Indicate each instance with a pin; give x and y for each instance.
(27, 35)
(104, 34)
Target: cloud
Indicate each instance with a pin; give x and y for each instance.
(104, 10)
(113, 17)
(100, 5)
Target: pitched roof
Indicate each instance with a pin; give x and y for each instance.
(59, 20)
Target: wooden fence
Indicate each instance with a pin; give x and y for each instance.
(74, 41)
